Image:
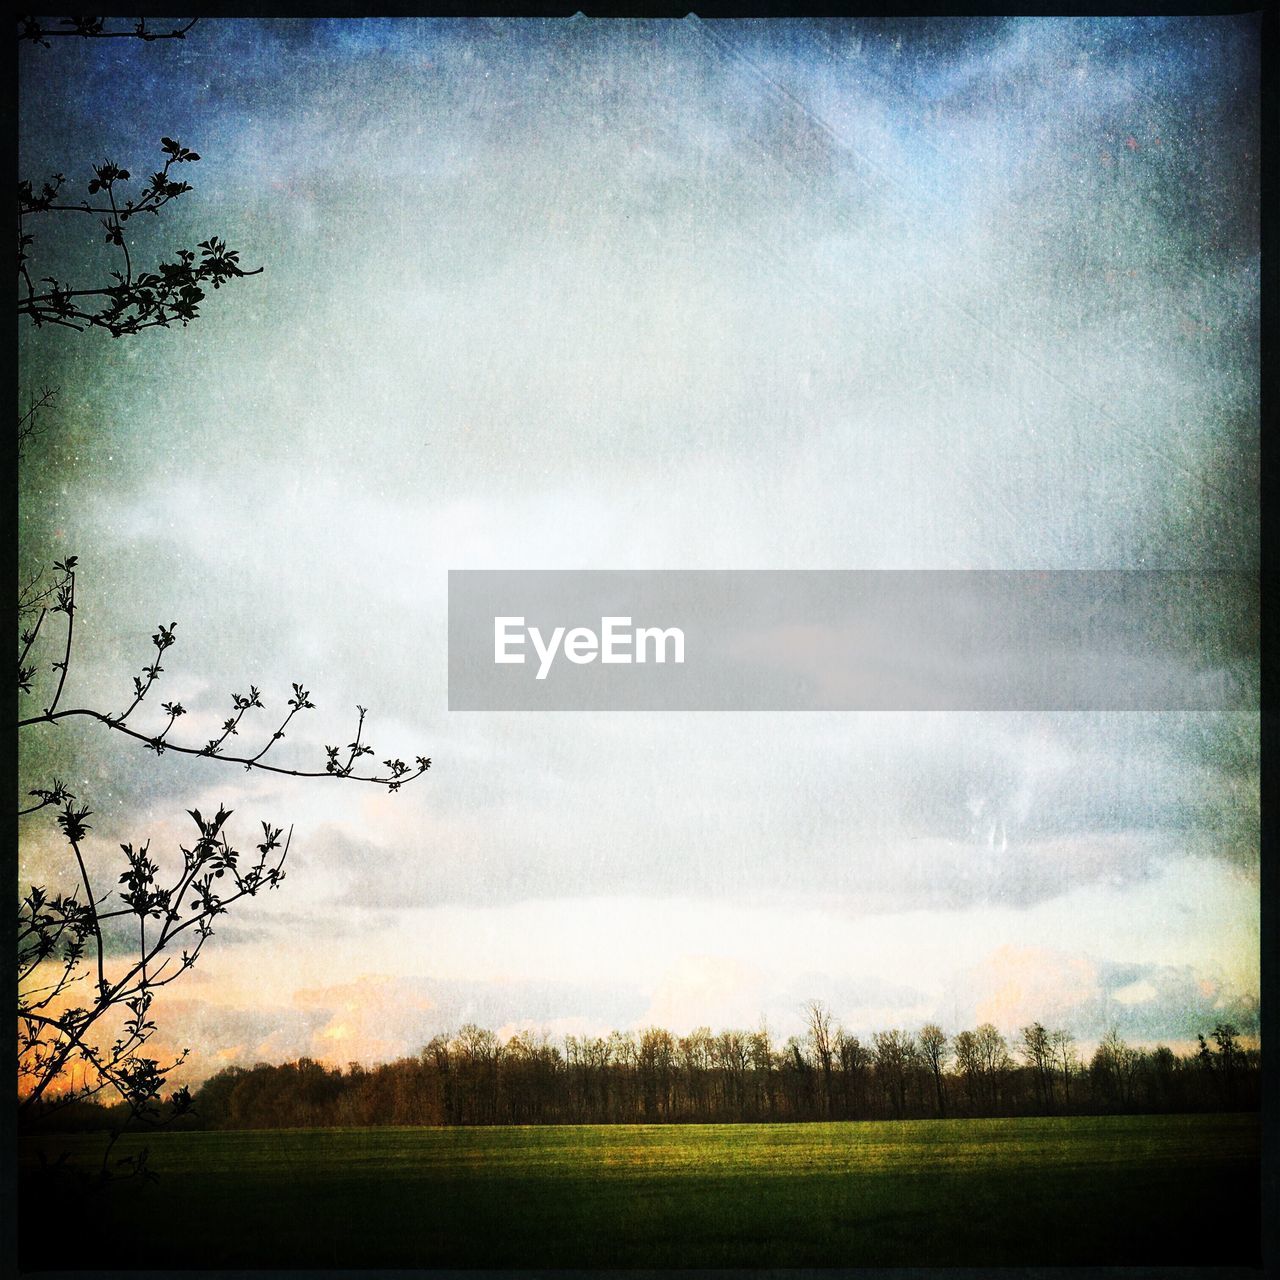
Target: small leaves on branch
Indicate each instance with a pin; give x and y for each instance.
(131, 302)
(301, 700)
(62, 600)
(61, 944)
(55, 794)
(72, 822)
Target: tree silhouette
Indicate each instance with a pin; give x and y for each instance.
(63, 592)
(61, 938)
(1037, 1049)
(127, 300)
(934, 1047)
(473, 1077)
(37, 32)
(29, 427)
(818, 1018)
(92, 958)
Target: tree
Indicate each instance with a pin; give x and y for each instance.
(855, 1061)
(1114, 1070)
(1038, 1052)
(819, 1024)
(32, 29)
(656, 1058)
(534, 1084)
(1222, 1065)
(476, 1052)
(934, 1048)
(1065, 1060)
(1160, 1072)
(993, 1056)
(29, 427)
(1227, 1038)
(695, 1057)
(732, 1055)
(62, 934)
(91, 959)
(760, 1049)
(982, 1057)
(895, 1055)
(795, 1076)
(397, 772)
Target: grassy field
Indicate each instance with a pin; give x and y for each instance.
(1175, 1190)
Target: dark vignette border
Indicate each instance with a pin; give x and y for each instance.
(910, 16)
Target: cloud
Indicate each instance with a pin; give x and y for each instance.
(1014, 986)
(373, 1019)
(219, 1034)
(700, 989)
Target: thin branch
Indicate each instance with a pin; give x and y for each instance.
(31, 635)
(67, 603)
(30, 28)
(250, 762)
(29, 598)
(28, 429)
(97, 924)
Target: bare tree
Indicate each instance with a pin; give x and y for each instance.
(1223, 1064)
(1038, 1052)
(982, 1057)
(533, 1082)
(895, 1055)
(855, 1060)
(658, 1063)
(818, 1017)
(993, 1055)
(1065, 1060)
(1114, 1069)
(29, 427)
(760, 1048)
(935, 1049)
(730, 1052)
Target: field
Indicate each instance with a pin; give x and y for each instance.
(1172, 1190)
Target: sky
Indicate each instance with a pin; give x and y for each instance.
(943, 294)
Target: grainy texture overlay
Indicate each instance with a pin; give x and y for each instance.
(670, 295)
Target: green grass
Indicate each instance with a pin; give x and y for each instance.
(1173, 1190)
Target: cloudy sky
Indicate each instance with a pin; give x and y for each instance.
(625, 295)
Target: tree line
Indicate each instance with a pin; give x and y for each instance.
(474, 1077)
